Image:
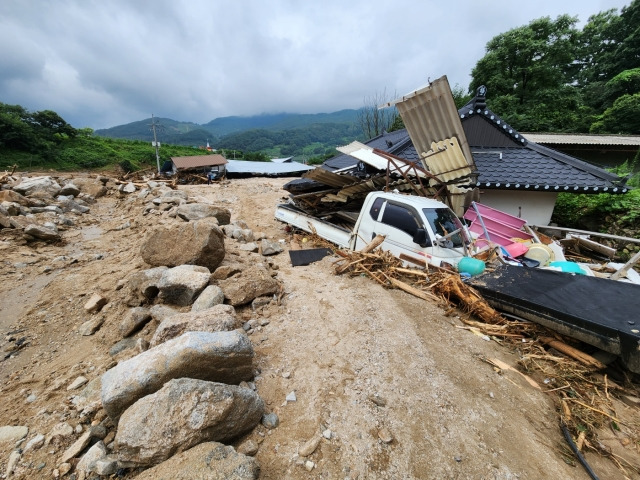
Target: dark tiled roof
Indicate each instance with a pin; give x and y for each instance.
(522, 166)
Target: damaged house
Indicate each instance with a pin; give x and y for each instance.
(510, 173)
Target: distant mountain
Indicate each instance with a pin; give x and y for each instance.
(185, 133)
(282, 134)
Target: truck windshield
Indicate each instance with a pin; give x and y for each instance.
(443, 221)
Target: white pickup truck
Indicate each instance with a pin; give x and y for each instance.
(417, 230)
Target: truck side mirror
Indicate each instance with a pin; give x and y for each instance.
(421, 237)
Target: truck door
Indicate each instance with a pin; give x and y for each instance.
(400, 224)
(368, 226)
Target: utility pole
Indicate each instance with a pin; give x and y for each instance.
(155, 141)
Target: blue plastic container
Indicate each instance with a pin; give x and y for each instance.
(470, 265)
(569, 267)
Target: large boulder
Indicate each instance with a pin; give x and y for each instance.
(90, 186)
(143, 285)
(182, 414)
(253, 282)
(197, 211)
(45, 186)
(14, 197)
(181, 285)
(211, 296)
(69, 189)
(197, 243)
(221, 357)
(210, 460)
(42, 233)
(216, 319)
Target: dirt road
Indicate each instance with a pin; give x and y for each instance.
(393, 387)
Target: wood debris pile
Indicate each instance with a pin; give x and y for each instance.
(588, 402)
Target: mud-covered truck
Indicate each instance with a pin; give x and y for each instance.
(417, 230)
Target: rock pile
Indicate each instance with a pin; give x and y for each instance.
(180, 383)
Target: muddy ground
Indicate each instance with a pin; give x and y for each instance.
(367, 364)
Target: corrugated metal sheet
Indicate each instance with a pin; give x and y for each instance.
(266, 168)
(430, 115)
(564, 139)
(329, 178)
(446, 161)
(367, 155)
(198, 161)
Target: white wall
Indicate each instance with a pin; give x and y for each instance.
(534, 207)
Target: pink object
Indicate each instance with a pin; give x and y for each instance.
(501, 226)
(516, 249)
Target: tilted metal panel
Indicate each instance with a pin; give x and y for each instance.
(430, 115)
(446, 161)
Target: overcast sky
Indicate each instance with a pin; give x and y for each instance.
(105, 63)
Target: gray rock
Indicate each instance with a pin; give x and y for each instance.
(216, 319)
(69, 189)
(11, 434)
(35, 443)
(59, 433)
(105, 466)
(270, 420)
(211, 296)
(249, 247)
(10, 196)
(181, 285)
(128, 188)
(182, 414)
(143, 286)
(122, 345)
(14, 458)
(268, 247)
(248, 447)
(90, 326)
(31, 186)
(175, 194)
(77, 383)
(249, 284)
(162, 312)
(221, 356)
(197, 211)
(95, 303)
(42, 232)
(134, 320)
(210, 460)
(95, 453)
(91, 187)
(69, 205)
(197, 243)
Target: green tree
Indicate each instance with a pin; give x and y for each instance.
(621, 118)
(529, 72)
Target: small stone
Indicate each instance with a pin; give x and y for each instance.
(31, 398)
(327, 434)
(12, 434)
(95, 303)
(457, 458)
(309, 465)
(248, 447)
(77, 383)
(310, 446)
(35, 443)
(270, 420)
(90, 327)
(14, 458)
(105, 466)
(64, 468)
(385, 435)
(291, 397)
(286, 375)
(378, 400)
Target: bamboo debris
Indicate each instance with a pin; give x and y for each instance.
(574, 353)
(453, 287)
(6, 175)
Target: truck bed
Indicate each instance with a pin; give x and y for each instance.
(329, 231)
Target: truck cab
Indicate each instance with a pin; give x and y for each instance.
(417, 229)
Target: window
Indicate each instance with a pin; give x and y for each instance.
(401, 218)
(375, 208)
(443, 221)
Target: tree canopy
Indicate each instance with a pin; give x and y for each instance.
(551, 76)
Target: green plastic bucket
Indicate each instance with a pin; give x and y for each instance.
(472, 266)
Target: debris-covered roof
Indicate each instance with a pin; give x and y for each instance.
(195, 161)
(504, 158)
(245, 167)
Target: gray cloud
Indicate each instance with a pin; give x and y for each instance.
(101, 64)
